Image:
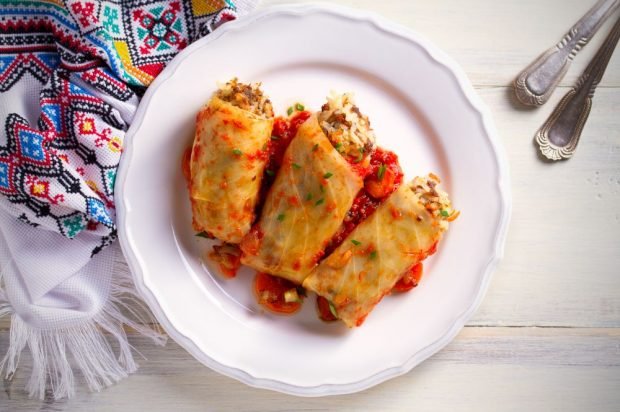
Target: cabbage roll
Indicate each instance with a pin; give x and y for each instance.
(228, 159)
(402, 232)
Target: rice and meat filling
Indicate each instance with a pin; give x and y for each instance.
(247, 97)
(434, 200)
(346, 127)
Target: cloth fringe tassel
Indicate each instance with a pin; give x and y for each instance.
(56, 352)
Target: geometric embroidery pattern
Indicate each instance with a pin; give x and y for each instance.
(84, 55)
(111, 20)
(85, 14)
(159, 30)
(14, 66)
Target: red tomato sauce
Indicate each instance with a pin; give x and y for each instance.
(410, 279)
(228, 258)
(322, 307)
(366, 202)
(270, 292)
(185, 164)
(284, 129)
(360, 169)
(258, 155)
(251, 242)
(389, 159)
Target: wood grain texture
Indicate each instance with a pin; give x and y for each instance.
(547, 336)
(483, 369)
(561, 261)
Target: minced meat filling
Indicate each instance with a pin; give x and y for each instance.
(247, 97)
(346, 127)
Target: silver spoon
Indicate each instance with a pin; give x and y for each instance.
(558, 137)
(536, 82)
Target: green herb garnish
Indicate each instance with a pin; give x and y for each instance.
(381, 171)
(300, 107)
(270, 172)
(318, 202)
(356, 242)
(290, 111)
(332, 309)
(309, 196)
(205, 235)
(328, 175)
(296, 166)
(237, 152)
(322, 188)
(315, 147)
(281, 217)
(338, 146)
(373, 254)
(445, 213)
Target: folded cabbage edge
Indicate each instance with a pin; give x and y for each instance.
(227, 164)
(356, 276)
(312, 192)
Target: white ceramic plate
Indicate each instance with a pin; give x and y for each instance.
(421, 106)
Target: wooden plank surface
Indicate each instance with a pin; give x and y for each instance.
(562, 259)
(483, 369)
(547, 336)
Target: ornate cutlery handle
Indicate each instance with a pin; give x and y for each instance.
(536, 83)
(560, 134)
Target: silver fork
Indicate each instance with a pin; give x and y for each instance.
(559, 135)
(536, 82)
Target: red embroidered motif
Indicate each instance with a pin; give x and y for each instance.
(85, 12)
(41, 189)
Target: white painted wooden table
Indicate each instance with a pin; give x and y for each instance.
(547, 336)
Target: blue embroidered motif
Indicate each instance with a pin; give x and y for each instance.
(52, 111)
(30, 144)
(4, 175)
(97, 212)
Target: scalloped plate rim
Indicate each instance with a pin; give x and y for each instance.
(503, 187)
